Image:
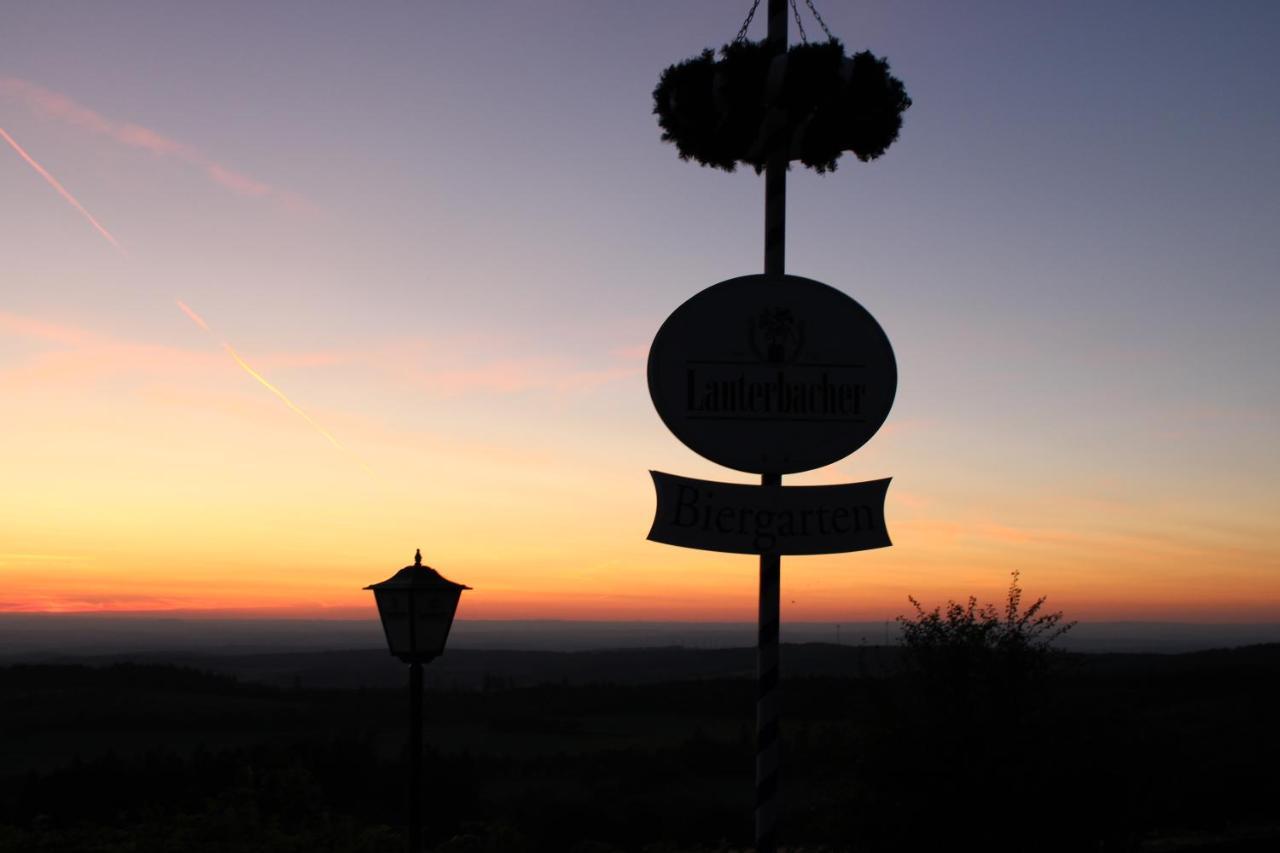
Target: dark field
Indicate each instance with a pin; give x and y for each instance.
(640, 751)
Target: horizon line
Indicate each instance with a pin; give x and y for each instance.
(240, 616)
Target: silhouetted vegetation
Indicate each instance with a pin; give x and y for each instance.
(722, 112)
(1107, 752)
(974, 666)
(971, 643)
(976, 731)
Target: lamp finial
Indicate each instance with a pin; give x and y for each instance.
(417, 557)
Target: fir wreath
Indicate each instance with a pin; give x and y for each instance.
(817, 104)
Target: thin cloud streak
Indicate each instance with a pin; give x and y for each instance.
(53, 182)
(504, 376)
(82, 353)
(76, 357)
(284, 398)
(61, 107)
(29, 327)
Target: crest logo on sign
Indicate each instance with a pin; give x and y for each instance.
(776, 336)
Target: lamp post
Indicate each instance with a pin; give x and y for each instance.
(416, 606)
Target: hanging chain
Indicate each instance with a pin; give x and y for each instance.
(742, 33)
(795, 12)
(818, 17)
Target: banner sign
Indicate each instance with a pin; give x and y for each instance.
(748, 519)
(772, 374)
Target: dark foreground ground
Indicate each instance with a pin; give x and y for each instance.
(614, 752)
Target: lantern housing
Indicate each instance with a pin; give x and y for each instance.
(417, 606)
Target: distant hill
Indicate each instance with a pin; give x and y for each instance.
(483, 669)
(35, 636)
(472, 669)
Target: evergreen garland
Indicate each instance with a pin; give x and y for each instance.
(721, 112)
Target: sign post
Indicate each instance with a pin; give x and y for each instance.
(773, 374)
(768, 704)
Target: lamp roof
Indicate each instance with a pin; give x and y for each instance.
(417, 576)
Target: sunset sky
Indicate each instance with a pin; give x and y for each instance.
(288, 290)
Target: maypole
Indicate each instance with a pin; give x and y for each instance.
(773, 373)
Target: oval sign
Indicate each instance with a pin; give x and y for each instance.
(772, 374)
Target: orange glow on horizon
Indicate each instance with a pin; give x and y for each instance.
(707, 613)
(694, 590)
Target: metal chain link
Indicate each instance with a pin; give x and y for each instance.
(742, 33)
(795, 12)
(818, 17)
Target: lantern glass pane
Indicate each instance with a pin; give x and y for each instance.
(433, 611)
(393, 607)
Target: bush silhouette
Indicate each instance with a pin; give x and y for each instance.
(973, 733)
(966, 653)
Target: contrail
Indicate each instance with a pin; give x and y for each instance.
(274, 390)
(284, 398)
(196, 318)
(53, 182)
(186, 309)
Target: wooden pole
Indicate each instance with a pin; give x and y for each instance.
(767, 698)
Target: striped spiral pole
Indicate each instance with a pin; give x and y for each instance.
(767, 698)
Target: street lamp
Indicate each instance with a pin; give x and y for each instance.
(416, 606)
